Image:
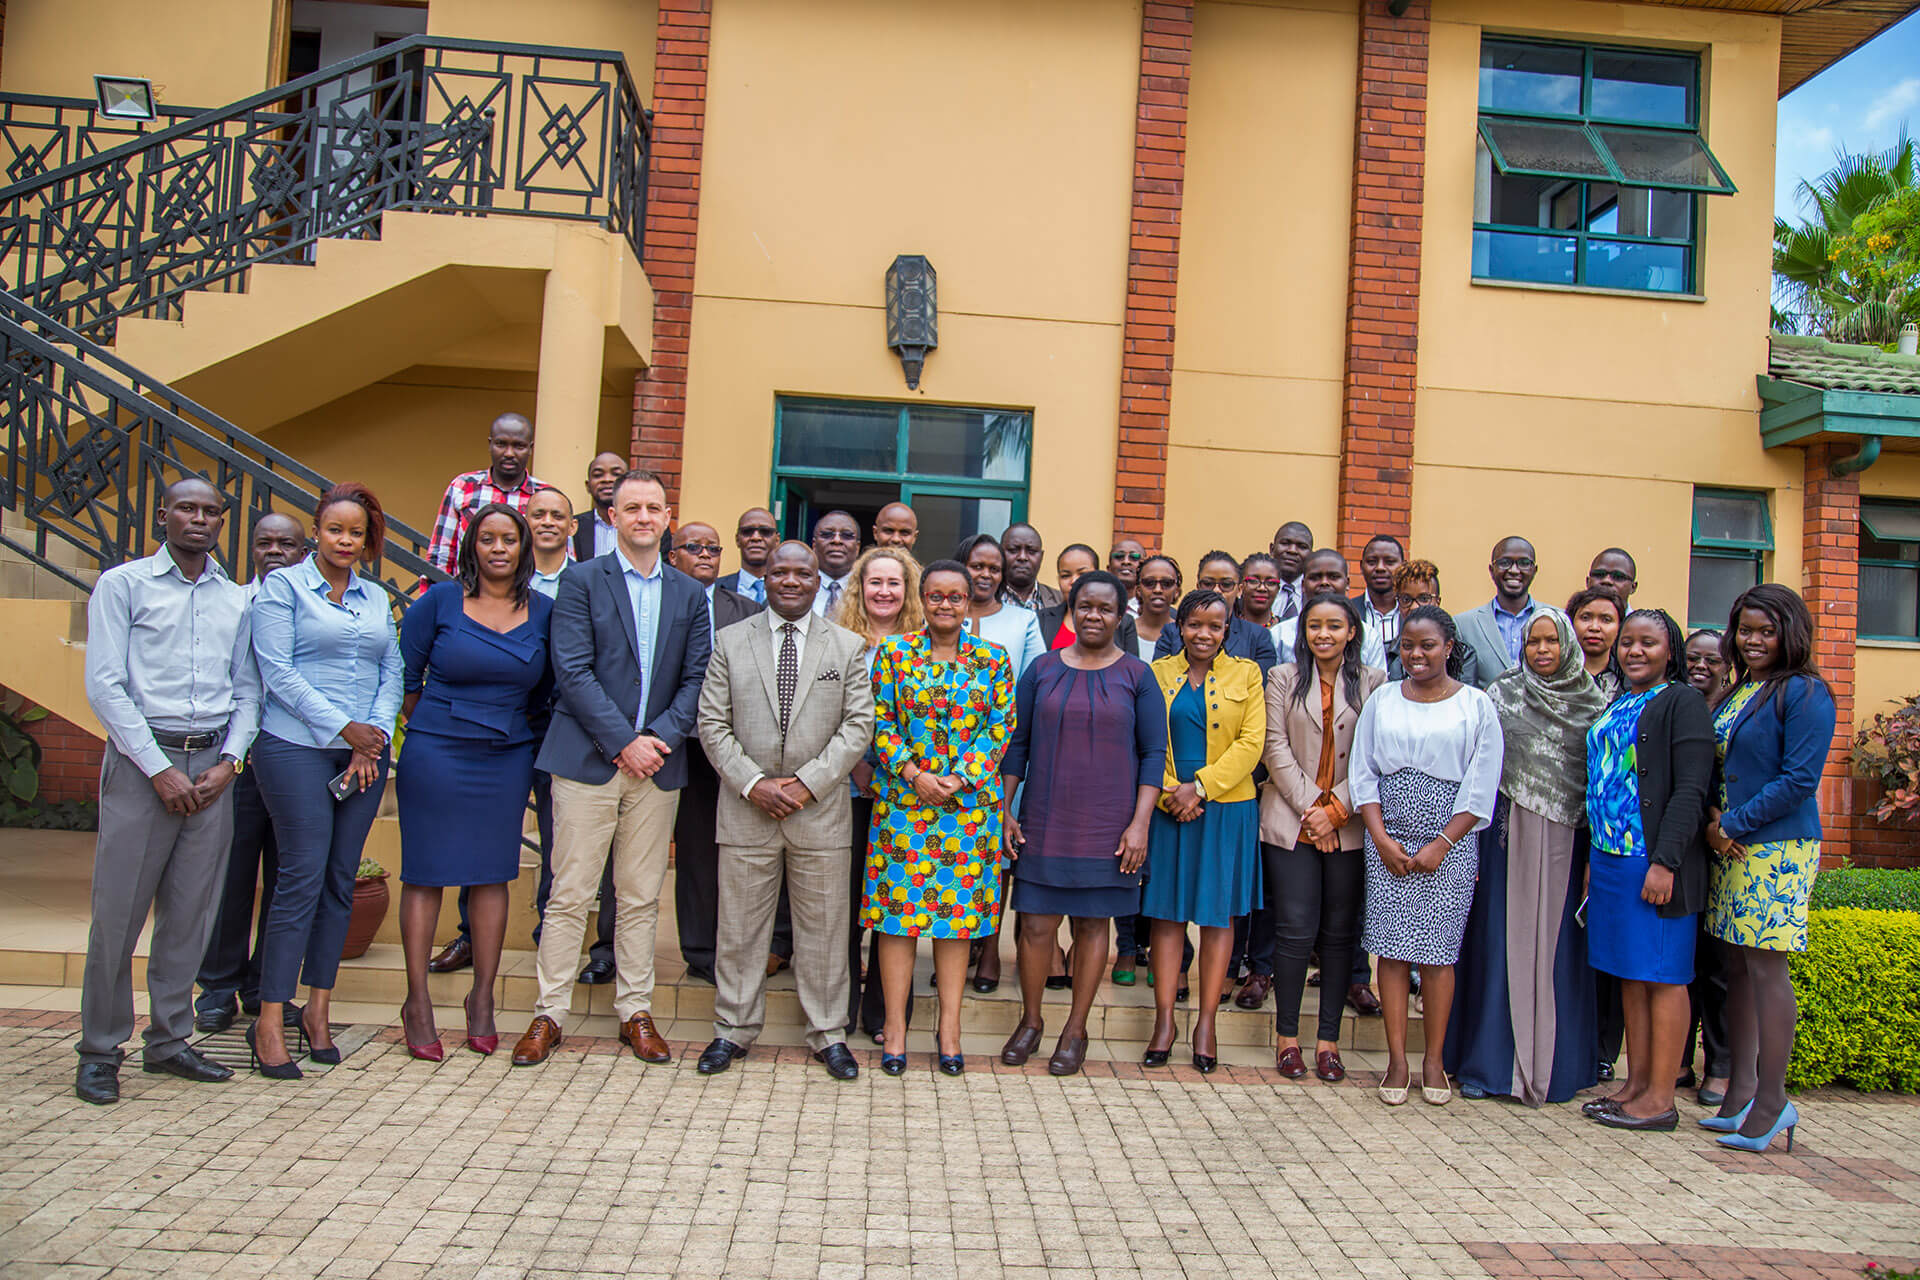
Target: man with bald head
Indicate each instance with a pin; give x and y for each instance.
(506, 479)
(786, 711)
(896, 526)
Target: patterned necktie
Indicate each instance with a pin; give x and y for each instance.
(787, 675)
(833, 596)
(1287, 591)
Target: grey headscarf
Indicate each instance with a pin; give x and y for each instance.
(1545, 722)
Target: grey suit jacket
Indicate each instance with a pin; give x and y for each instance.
(828, 731)
(1477, 628)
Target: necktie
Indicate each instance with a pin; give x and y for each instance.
(787, 674)
(833, 596)
(758, 591)
(1287, 591)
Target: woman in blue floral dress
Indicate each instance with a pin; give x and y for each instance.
(943, 702)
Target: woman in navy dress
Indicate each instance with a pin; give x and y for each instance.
(477, 689)
(1090, 741)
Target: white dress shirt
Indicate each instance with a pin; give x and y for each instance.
(1377, 631)
(775, 621)
(822, 604)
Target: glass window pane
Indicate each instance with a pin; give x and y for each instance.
(1533, 202)
(1517, 256)
(845, 437)
(1715, 583)
(1543, 79)
(1731, 517)
(1543, 146)
(1889, 601)
(1662, 158)
(1657, 268)
(1642, 86)
(1891, 522)
(978, 444)
(945, 520)
(1639, 211)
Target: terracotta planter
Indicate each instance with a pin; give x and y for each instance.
(370, 899)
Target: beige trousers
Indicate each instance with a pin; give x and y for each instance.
(636, 817)
(749, 895)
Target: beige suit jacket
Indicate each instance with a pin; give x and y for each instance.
(828, 730)
(1292, 757)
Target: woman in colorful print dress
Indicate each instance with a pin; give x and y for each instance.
(1772, 730)
(944, 709)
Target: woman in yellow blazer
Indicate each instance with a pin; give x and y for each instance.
(1202, 862)
(1310, 829)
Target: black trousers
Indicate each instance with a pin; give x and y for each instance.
(696, 861)
(602, 948)
(866, 1000)
(1708, 995)
(231, 967)
(1318, 899)
(1253, 939)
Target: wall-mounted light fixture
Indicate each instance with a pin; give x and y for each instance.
(913, 313)
(125, 97)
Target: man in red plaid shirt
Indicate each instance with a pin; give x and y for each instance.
(510, 442)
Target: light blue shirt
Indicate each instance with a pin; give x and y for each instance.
(324, 665)
(1015, 629)
(643, 590)
(168, 654)
(754, 589)
(1513, 628)
(547, 584)
(605, 536)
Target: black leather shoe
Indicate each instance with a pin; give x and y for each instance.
(718, 1056)
(1604, 1071)
(597, 973)
(98, 1083)
(839, 1061)
(1665, 1122)
(694, 971)
(250, 1007)
(189, 1064)
(213, 1021)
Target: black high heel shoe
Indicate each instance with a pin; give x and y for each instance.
(271, 1070)
(1155, 1057)
(952, 1064)
(327, 1057)
(1205, 1065)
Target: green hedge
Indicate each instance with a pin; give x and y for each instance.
(1859, 989)
(1870, 888)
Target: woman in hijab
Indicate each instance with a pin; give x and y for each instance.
(1523, 1006)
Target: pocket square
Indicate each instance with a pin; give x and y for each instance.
(828, 675)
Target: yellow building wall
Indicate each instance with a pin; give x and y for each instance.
(212, 52)
(626, 26)
(1579, 419)
(994, 137)
(1259, 350)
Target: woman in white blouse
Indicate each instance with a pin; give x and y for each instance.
(1425, 772)
(1013, 628)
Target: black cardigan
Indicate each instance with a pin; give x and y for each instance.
(1674, 747)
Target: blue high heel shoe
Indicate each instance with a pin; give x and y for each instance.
(952, 1064)
(1727, 1124)
(1789, 1117)
(893, 1063)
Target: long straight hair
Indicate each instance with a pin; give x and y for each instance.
(1303, 659)
(1792, 622)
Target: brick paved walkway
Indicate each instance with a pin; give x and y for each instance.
(596, 1165)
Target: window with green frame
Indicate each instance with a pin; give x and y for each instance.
(1732, 537)
(1889, 569)
(1589, 166)
(963, 470)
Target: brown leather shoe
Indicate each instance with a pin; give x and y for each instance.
(542, 1038)
(456, 955)
(1068, 1056)
(1360, 996)
(1020, 1045)
(776, 962)
(1327, 1065)
(1253, 992)
(638, 1032)
(1290, 1063)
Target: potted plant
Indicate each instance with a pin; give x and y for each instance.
(1887, 751)
(370, 899)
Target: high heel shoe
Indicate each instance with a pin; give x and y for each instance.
(1727, 1124)
(327, 1057)
(1789, 1119)
(431, 1051)
(952, 1064)
(482, 1045)
(1155, 1057)
(893, 1063)
(1205, 1063)
(288, 1070)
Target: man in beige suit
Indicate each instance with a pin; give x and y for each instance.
(785, 714)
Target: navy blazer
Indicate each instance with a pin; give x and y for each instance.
(1775, 756)
(1245, 639)
(596, 672)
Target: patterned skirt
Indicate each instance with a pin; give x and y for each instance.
(1419, 917)
(932, 873)
(1760, 901)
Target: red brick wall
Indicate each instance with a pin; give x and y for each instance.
(1153, 268)
(1830, 569)
(1383, 279)
(673, 224)
(69, 759)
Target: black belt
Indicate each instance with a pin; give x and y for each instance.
(190, 741)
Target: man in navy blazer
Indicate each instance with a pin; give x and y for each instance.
(630, 642)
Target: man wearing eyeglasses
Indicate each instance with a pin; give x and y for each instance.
(836, 545)
(755, 536)
(1615, 570)
(1498, 628)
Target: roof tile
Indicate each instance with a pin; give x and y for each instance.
(1835, 366)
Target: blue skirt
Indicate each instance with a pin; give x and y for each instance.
(462, 803)
(1626, 936)
(1204, 872)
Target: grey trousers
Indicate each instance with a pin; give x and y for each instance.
(749, 893)
(149, 859)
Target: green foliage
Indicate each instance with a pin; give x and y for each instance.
(1859, 989)
(1842, 272)
(50, 815)
(1882, 248)
(1888, 749)
(19, 753)
(1869, 888)
(369, 869)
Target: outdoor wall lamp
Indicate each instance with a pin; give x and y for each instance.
(913, 313)
(1398, 8)
(125, 97)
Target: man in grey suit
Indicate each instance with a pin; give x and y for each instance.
(630, 641)
(1498, 628)
(786, 712)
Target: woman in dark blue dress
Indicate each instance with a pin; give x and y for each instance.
(477, 689)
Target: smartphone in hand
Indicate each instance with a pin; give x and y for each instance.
(344, 784)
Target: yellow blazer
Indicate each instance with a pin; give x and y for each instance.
(1236, 723)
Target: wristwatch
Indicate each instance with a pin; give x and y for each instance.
(1199, 787)
(239, 765)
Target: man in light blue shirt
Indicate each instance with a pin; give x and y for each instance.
(1497, 629)
(170, 674)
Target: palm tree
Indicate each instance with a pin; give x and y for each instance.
(1812, 294)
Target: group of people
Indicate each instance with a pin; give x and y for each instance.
(1550, 826)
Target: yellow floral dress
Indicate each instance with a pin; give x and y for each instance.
(1760, 900)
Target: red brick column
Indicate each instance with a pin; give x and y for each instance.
(69, 758)
(1153, 268)
(1383, 279)
(1830, 570)
(673, 224)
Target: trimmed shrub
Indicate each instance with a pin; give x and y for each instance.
(1859, 991)
(1869, 888)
